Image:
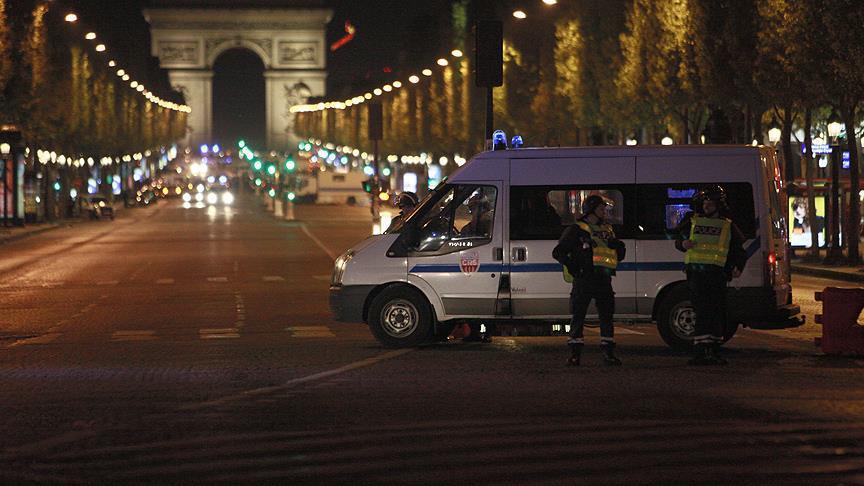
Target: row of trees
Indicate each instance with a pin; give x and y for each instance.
(603, 71)
(62, 93)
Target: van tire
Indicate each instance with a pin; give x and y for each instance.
(676, 315)
(400, 317)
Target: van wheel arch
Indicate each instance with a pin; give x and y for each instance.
(377, 290)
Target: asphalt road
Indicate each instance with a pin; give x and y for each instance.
(195, 344)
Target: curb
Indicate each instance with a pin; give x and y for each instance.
(13, 238)
(826, 273)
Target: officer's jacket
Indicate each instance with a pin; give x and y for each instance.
(575, 251)
(736, 257)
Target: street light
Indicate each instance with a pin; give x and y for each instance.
(774, 133)
(520, 14)
(71, 17)
(667, 140)
(835, 253)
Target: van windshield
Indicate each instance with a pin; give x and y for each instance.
(432, 195)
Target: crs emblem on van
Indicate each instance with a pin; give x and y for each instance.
(469, 262)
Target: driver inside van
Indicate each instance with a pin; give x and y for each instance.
(481, 217)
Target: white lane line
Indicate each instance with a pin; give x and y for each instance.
(43, 339)
(625, 330)
(134, 335)
(217, 279)
(219, 333)
(317, 241)
(310, 332)
(165, 281)
(297, 381)
(107, 282)
(273, 278)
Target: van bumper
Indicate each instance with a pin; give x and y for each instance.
(346, 302)
(748, 306)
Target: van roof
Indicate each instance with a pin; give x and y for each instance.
(609, 150)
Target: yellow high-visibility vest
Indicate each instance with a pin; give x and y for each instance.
(603, 255)
(712, 237)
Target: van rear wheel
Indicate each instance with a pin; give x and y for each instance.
(676, 320)
(401, 318)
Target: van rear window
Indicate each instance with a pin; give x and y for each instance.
(661, 207)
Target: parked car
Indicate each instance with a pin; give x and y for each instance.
(100, 207)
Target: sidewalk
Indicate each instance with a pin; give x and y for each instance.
(8, 234)
(847, 273)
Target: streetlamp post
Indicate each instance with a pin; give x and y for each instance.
(10, 138)
(835, 251)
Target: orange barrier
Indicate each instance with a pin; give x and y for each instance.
(841, 332)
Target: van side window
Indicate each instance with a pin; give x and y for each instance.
(463, 213)
(542, 213)
(661, 207)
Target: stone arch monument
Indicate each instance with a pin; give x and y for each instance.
(290, 42)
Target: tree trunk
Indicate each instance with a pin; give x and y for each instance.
(852, 228)
(811, 191)
(788, 171)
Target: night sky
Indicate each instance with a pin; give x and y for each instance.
(395, 34)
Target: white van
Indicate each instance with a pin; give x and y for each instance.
(449, 264)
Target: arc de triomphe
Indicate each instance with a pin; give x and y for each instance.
(290, 42)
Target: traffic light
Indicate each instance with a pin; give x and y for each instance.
(489, 54)
(290, 165)
(368, 184)
(257, 165)
(271, 169)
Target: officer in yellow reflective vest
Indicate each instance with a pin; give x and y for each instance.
(589, 253)
(714, 254)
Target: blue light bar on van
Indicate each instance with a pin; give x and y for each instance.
(499, 140)
(516, 141)
(680, 193)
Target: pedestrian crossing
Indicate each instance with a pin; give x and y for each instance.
(534, 450)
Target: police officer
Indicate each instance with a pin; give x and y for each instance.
(714, 254)
(590, 252)
(406, 202)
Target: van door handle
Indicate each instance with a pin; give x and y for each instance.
(519, 254)
(498, 254)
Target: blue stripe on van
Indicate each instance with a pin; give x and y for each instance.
(546, 267)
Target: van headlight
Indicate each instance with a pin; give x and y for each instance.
(339, 268)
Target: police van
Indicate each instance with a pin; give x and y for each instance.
(479, 248)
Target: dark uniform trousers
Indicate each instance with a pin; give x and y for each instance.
(708, 294)
(596, 285)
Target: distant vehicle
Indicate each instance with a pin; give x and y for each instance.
(341, 188)
(99, 207)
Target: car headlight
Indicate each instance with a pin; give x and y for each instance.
(199, 197)
(227, 198)
(187, 197)
(339, 267)
(212, 198)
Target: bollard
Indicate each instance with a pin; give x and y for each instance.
(289, 211)
(841, 333)
(277, 211)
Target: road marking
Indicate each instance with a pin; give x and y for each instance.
(273, 278)
(317, 241)
(219, 333)
(618, 330)
(165, 281)
(43, 339)
(310, 332)
(322, 277)
(217, 279)
(108, 282)
(269, 390)
(134, 335)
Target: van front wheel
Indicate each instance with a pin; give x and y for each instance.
(400, 318)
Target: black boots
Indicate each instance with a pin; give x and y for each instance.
(706, 355)
(575, 354)
(608, 349)
(609, 357)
